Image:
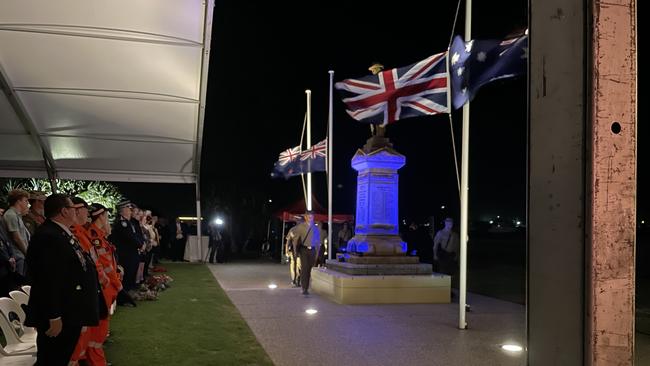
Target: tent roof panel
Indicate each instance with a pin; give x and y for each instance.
(103, 89)
(88, 153)
(183, 19)
(19, 147)
(134, 119)
(9, 122)
(40, 61)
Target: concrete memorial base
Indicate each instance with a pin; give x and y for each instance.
(342, 288)
(375, 267)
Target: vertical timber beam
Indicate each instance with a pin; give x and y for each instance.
(556, 182)
(611, 203)
(582, 182)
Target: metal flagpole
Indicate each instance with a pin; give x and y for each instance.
(330, 170)
(308, 92)
(283, 257)
(464, 190)
(199, 237)
(302, 176)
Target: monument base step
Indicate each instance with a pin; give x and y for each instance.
(382, 269)
(395, 289)
(383, 260)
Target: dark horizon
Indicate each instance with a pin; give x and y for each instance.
(260, 68)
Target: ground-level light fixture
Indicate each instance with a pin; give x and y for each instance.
(512, 347)
(273, 286)
(311, 311)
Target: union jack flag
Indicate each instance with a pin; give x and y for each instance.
(411, 91)
(294, 162)
(289, 155)
(318, 150)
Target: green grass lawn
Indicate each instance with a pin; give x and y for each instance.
(191, 323)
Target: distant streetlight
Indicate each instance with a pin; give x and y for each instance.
(518, 223)
(442, 207)
(218, 221)
(491, 222)
(270, 200)
(642, 222)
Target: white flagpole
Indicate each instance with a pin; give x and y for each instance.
(308, 92)
(330, 166)
(464, 190)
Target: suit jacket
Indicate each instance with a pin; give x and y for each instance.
(6, 252)
(61, 285)
(124, 236)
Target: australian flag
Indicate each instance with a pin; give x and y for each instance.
(479, 62)
(314, 159)
(293, 161)
(411, 91)
(288, 163)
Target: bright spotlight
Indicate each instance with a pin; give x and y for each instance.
(442, 207)
(270, 201)
(491, 222)
(273, 286)
(518, 222)
(512, 348)
(218, 221)
(311, 311)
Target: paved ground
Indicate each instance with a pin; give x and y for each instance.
(367, 334)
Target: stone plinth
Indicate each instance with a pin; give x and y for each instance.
(377, 289)
(381, 260)
(377, 222)
(380, 269)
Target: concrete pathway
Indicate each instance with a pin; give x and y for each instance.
(366, 334)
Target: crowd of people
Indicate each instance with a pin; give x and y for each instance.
(78, 267)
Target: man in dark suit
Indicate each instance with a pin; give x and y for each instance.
(124, 236)
(7, 262)
(64, 294)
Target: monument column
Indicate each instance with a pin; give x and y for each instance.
(377, 221)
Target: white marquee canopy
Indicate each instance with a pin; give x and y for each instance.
(103, 90)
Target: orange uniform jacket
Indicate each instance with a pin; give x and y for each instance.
(106, 258)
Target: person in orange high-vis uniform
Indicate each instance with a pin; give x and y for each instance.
(90, 345)
(98, 232)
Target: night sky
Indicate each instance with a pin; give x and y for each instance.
(264, 55)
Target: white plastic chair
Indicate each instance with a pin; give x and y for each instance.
(27, 289)
(14, 345)
(21, 299)
(8, 306)
(14, 360)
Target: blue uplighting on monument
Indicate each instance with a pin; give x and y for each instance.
(377, 195)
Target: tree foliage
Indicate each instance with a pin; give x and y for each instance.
(103, 193)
